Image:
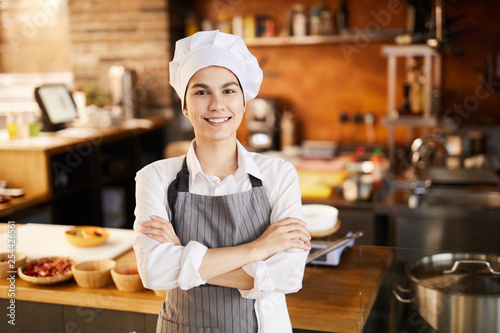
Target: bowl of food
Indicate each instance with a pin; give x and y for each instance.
(9, 262)
(47, 270)
(86, 236)
(93, 273)
(126, 277)
(322, 220)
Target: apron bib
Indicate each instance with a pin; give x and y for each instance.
(214, 221)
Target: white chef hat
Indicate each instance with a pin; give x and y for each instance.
(214, 48)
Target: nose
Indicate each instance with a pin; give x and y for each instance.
(216, 103)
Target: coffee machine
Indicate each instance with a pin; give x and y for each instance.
(123, 84)
(263, 124)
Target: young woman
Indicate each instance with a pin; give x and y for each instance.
(220, 228)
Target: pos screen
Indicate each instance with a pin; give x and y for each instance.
(57, 105)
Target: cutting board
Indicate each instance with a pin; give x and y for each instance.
(44, 240)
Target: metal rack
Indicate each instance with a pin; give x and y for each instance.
(432, 84)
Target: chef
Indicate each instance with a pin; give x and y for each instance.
(220, 228)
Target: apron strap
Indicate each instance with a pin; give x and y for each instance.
(181, 184)
(256, 182)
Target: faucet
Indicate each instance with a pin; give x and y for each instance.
(422, 149)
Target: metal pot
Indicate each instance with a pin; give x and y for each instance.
(455, 292)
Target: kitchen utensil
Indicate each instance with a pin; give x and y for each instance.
(455, 292)
(126, 277)
(8, 264)
(333, 246)
(86, 236)
(94, 273)
(44, 280)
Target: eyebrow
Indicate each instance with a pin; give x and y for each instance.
(225, 85)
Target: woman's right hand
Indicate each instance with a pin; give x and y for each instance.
(160, 229)
(283, 235)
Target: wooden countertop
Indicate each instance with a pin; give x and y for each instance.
(26, 201)
(53, 142)
(340, 298)
(332, 299)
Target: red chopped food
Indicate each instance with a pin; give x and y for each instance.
(48, 267)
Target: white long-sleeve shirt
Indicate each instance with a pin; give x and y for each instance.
(163, 266)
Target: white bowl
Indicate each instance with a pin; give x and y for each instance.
(320, 218)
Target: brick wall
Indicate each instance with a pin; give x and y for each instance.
(34, 36)
(133, 34)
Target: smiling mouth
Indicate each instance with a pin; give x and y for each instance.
(217, 120)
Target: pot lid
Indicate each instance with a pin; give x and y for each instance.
(458, 273)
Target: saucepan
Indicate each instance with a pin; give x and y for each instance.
(455, 292)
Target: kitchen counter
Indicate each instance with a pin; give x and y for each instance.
(65, 168)
(332, 299)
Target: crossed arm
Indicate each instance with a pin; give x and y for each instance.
(222, 266)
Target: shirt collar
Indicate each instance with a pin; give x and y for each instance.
(246, 164)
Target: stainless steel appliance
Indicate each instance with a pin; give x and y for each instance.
(455, 292)
(262, 120)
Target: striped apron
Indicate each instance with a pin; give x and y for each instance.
(214, 221)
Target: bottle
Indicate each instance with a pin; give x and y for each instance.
(287, 126)
(12, 125)
(191, 26)
(206, 25)
(23, 127)
(315, 22)
(34, 125)
(249, 26)
(378, 168)
(326, 23)
(223, 23)
(342, 17)
(270, 25)
(415, 79)
(299, 21)
(237, 26)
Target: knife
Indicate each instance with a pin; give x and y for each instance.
(334, 245)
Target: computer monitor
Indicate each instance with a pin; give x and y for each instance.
(57, 105)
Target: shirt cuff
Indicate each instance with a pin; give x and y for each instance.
(262, 283)
(191, 259)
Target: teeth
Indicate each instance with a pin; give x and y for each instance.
(217, 120)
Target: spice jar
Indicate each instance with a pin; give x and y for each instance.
(299, 20)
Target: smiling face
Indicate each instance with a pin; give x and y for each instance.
(214, 104)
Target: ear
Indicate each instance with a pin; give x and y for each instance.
(185, 112)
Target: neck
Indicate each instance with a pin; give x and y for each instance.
(217, 158)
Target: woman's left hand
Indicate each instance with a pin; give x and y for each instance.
(160, 230)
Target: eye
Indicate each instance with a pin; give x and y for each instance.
(229, 91)
(201, 92)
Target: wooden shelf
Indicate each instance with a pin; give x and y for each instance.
(383, 35)
(408, 50)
